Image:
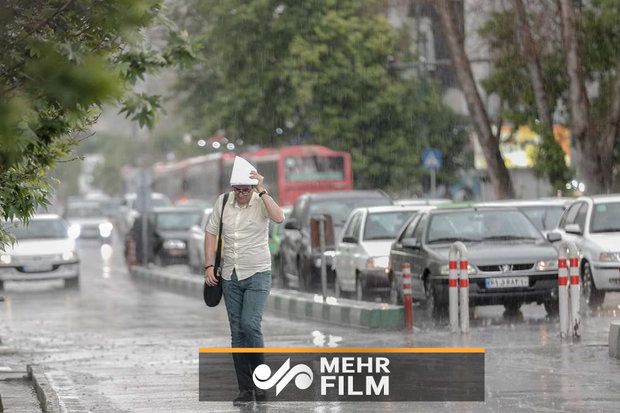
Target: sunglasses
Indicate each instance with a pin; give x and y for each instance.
(242, 190)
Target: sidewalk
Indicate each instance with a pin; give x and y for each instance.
(26, 391)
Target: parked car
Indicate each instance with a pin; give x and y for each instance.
(171, 233)
(89, 220)
(593, 224)
(364, 247)
(128, 210)
(195, 245)
(544, 213)
(299, 263)
(510, 262)
(44, 250)
(276, 232)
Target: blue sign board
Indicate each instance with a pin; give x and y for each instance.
(431, 159)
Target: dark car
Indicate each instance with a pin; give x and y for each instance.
(510, 262)
(298, 263)
(171, 233)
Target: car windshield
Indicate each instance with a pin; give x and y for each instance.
(84, 212)
(38, 229)
(472, 226)
(385, 225)
(340, 209)
(606, 217)
(545, 218)
(173, 221)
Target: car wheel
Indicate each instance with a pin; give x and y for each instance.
(552, 308)
(593, 297)
(281, 273)
(72, 282)
(512, 306)
(431, 305)
(359, 288)
(395, 296)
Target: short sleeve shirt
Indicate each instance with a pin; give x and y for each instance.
(245, 240)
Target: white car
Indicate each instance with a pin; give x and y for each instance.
(364, 247)
(89, 221)
(593, 224)
(44, 250)
(195, 244)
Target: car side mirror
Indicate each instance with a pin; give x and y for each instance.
(292, 224)
(573, 229)
(411, 243)
(349, 240)
(554, 236)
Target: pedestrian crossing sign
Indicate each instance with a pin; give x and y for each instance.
(431, 159)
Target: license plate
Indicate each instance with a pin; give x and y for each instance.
(37, 268)
(507, 282)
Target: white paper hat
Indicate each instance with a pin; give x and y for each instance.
(241, 172)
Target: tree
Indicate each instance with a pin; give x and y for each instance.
(500, 178)
(60, 61)
(318, 72)
(580, 68)
(595, 121)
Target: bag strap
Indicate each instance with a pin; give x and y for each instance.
(218, 251)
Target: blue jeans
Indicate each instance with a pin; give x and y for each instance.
(245, 302)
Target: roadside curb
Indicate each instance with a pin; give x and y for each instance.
(45, 393)
(290, 303)
(614, 339)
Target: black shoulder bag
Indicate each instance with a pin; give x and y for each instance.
(213, 295)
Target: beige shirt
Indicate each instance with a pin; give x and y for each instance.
(245, 236)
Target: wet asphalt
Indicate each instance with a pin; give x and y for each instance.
(120, 345)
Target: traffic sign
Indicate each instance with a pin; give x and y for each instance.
(431, 159)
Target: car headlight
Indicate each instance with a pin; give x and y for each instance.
(105, 229)
(5, 259)
(610, 257)
(445, 270)
(69, 255)
(547, 265)
(174, 244)
(74, 231)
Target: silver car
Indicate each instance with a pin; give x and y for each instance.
(593, 224)
(44, 250)
(195, 243)
(364, 247)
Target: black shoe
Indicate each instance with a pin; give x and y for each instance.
(260, 395)
(245, 396)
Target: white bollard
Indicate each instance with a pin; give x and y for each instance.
(568, 300)
(458, 252)
(574, 296)
(563, 296)
(464, 296)
(453, 296)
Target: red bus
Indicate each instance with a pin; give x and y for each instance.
(289, 172)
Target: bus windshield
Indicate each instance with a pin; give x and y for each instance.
(314, 168)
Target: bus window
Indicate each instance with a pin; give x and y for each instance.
(314, 168)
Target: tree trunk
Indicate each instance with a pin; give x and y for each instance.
(584, 134)
(498, 172)
(533, 64)
(611, 128)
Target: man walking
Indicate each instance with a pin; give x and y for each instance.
(246, 269)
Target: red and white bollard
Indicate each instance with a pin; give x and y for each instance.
(458, 253)
(568, 306)
(407, 300)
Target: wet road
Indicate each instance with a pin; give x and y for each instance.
(117, 345)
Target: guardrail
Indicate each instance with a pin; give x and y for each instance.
(568, 297)
(458, 255)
